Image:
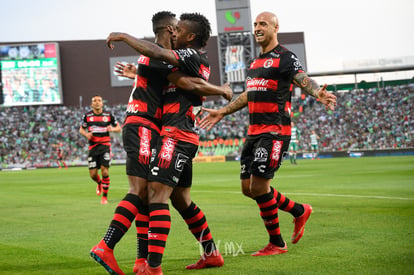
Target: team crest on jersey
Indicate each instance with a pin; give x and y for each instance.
(105, 119)
(260, 155)
(268, 63)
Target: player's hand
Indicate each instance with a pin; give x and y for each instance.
(327, 99)
(228, 92)
(125, 70)
(213, 117)
(113, 36)
(89, 135)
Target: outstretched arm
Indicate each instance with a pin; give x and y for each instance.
(312, 88)
(214, 116)
(199, 86)
(146, 48)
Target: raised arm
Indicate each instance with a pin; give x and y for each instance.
(144, 47)
(199, 86)
(214, 116)
(312, 88)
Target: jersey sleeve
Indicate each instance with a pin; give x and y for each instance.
(114, 121)
(189, 61)
(291, 65)
(84, 123)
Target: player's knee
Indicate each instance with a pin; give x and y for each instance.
(158, 192)
(180, 204)
(93, 175)
(246, 192)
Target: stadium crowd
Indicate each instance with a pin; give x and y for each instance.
(28, 133)
(363, 120)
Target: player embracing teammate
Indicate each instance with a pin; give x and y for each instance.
(270, 80)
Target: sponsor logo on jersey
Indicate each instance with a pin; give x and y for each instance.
(261, 84)
(144, 146)
(136, 106)
(276, 153)
(167, 152)
(98, 129)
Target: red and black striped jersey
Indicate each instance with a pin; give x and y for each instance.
(145, 102)
(97, 125)
(269, 90)
(180, 107)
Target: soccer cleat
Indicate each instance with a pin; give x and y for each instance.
(103, 255)
(147, 270)
(300, 223)
(271, 249)
(104, 200)
(98, 189)
(213, 259)
(139, 265)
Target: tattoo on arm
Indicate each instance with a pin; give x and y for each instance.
(237, 104)
(307, 84)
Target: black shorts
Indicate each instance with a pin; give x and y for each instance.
(139, 144)
(99, 156)
(173, 163)
(262, 155)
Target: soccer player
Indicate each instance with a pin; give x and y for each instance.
(270, 80)
(96, 126)
(60, 155)
(171, 169)
(314, 144)
(294, 140)
(141, 131)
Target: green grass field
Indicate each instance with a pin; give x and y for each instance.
(363, 220)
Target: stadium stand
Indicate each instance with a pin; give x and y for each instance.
(363, 120)
(371, 119)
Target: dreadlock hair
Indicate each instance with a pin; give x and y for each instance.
(201, 27)
(161, 19)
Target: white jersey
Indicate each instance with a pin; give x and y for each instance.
(314, 139)
(294, 135)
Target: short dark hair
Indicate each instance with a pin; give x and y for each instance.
(201, 27)
(162, 19)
